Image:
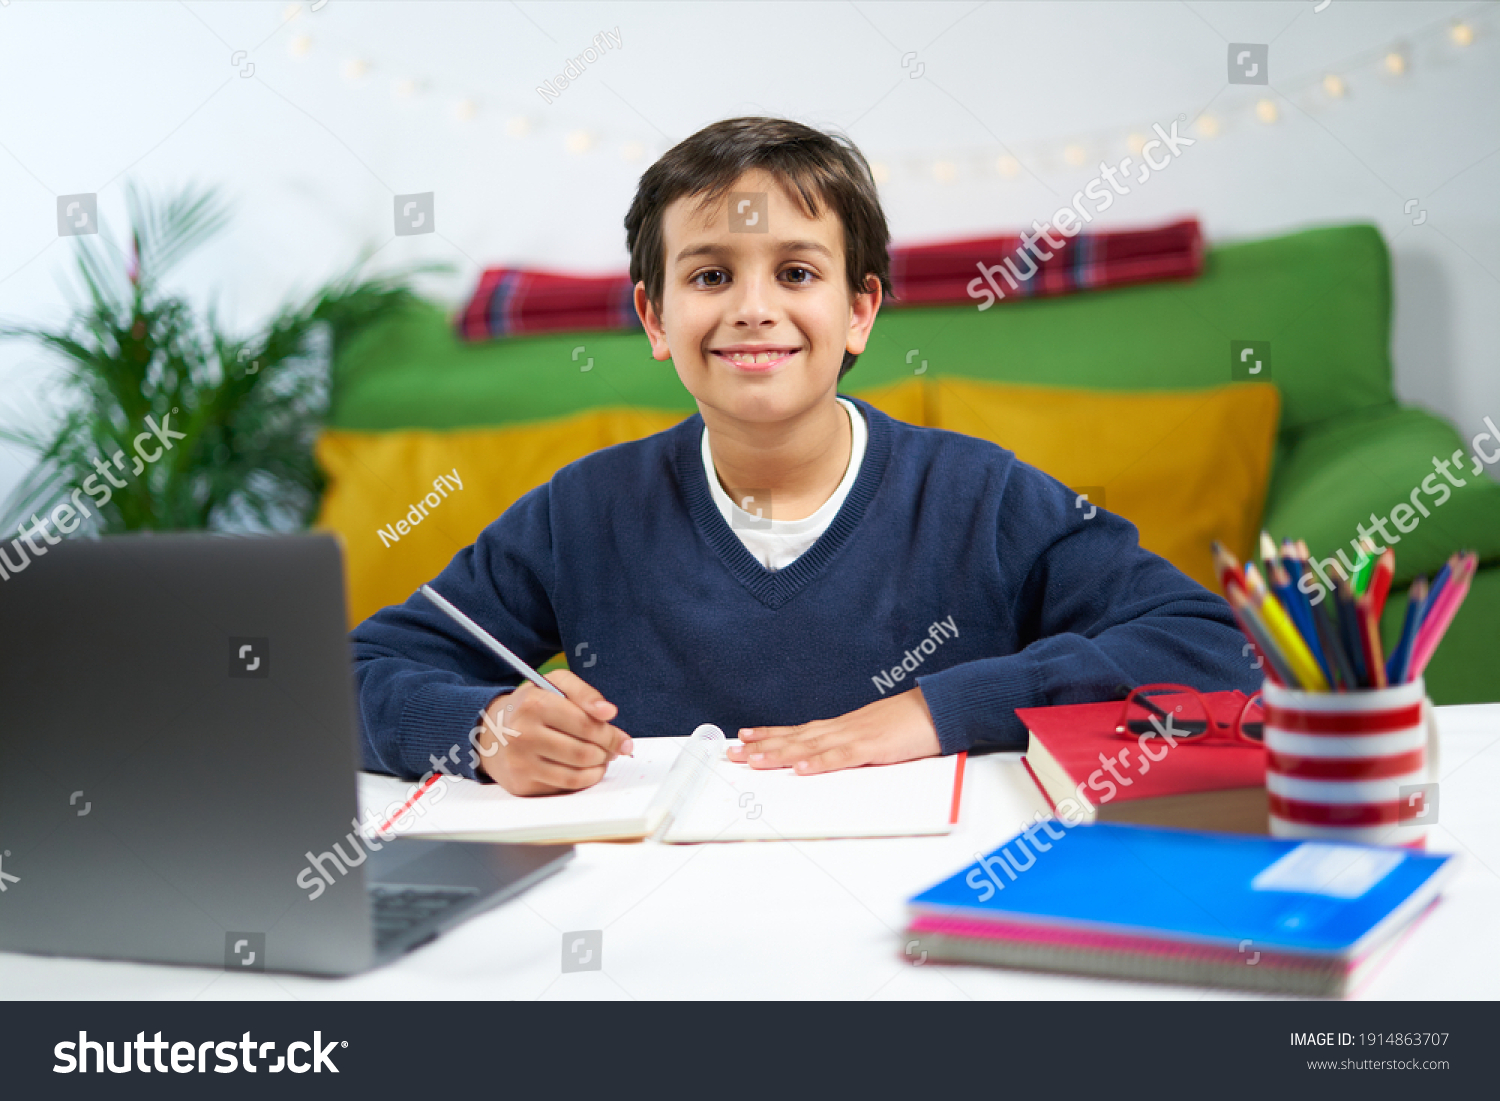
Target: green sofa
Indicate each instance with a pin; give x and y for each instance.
(1321, 297)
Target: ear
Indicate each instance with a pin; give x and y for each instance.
(862, 311)
(651, 322)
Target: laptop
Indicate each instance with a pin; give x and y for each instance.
(178, 758)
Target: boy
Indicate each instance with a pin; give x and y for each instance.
(776, 562)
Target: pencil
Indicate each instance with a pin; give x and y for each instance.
(1349, 631)
(1285, 588)
(1435, 622)
(1287, 637)
(1380, 580)
(490, 642)
(1255, 628)
(1370, 636)
(1399, 664)
(1367, 567)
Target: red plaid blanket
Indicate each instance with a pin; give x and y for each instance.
(518, 301)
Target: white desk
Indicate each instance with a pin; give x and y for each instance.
(817, 919)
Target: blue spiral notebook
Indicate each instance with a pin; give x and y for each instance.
(1185, 905)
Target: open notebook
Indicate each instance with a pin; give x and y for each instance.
(683, 790)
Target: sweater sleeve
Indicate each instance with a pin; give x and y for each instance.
(422, 681)
(1091, 609)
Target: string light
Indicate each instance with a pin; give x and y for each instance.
(945, 168)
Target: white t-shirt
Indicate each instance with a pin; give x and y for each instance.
(776, 544)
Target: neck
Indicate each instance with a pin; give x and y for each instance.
(793, 465)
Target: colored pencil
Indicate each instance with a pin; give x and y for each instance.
(1367, 567)
(1349, 631)
(1370, 636)
(1255, 628)
(1288, 639)
(1440, 582)
(1380, 580)
(1228, 566)
(1398, 665)
(1285, 588)
(1435, 622)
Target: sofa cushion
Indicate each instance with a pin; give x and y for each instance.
(1335, 477)
(1185, 467)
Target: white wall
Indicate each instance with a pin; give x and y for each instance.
(95, 93)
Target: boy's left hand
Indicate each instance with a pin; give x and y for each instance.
(896, 728)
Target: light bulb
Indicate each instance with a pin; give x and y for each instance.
(944, 171)
(633, 150)
(880, 172)
(1462, 34)
(579, 141)
(1008, 167)
(1334, 86)
(1208, 126)
(466, 109)
(1266, 111)
(355, 68)
(1395, 63)
(1075, 155)
(518, 127)
(1137, 143)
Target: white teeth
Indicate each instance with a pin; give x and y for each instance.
(750, 358)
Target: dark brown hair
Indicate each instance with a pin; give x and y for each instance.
(814, 166)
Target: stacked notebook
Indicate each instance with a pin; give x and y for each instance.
(681, 790)
(1296, 917)
(1217, 786)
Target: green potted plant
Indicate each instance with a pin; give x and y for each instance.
(169, 423)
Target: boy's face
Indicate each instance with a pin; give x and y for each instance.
(756, 315)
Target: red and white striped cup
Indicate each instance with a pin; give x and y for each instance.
(1350, 766)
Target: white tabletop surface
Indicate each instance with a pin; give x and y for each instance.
(818, 919)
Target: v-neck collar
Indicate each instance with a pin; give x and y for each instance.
(774, 588)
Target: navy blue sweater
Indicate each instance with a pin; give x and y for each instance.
(951, 564)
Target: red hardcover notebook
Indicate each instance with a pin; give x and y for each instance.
(1074, 753)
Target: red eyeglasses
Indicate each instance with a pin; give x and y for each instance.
(1180, 713)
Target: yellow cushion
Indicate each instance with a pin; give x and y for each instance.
(399, 529)
(1186, 467)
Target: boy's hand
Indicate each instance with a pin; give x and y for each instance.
(536, 743)
(897, 728)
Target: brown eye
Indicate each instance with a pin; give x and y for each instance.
(799, 271)
(698, 280)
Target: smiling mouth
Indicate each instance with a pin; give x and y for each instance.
(758, 361)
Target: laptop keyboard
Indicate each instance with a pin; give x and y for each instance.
(397, 909)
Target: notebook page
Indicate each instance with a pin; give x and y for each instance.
(739, 803)
(620, 805)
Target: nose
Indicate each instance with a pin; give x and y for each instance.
(753, 304)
